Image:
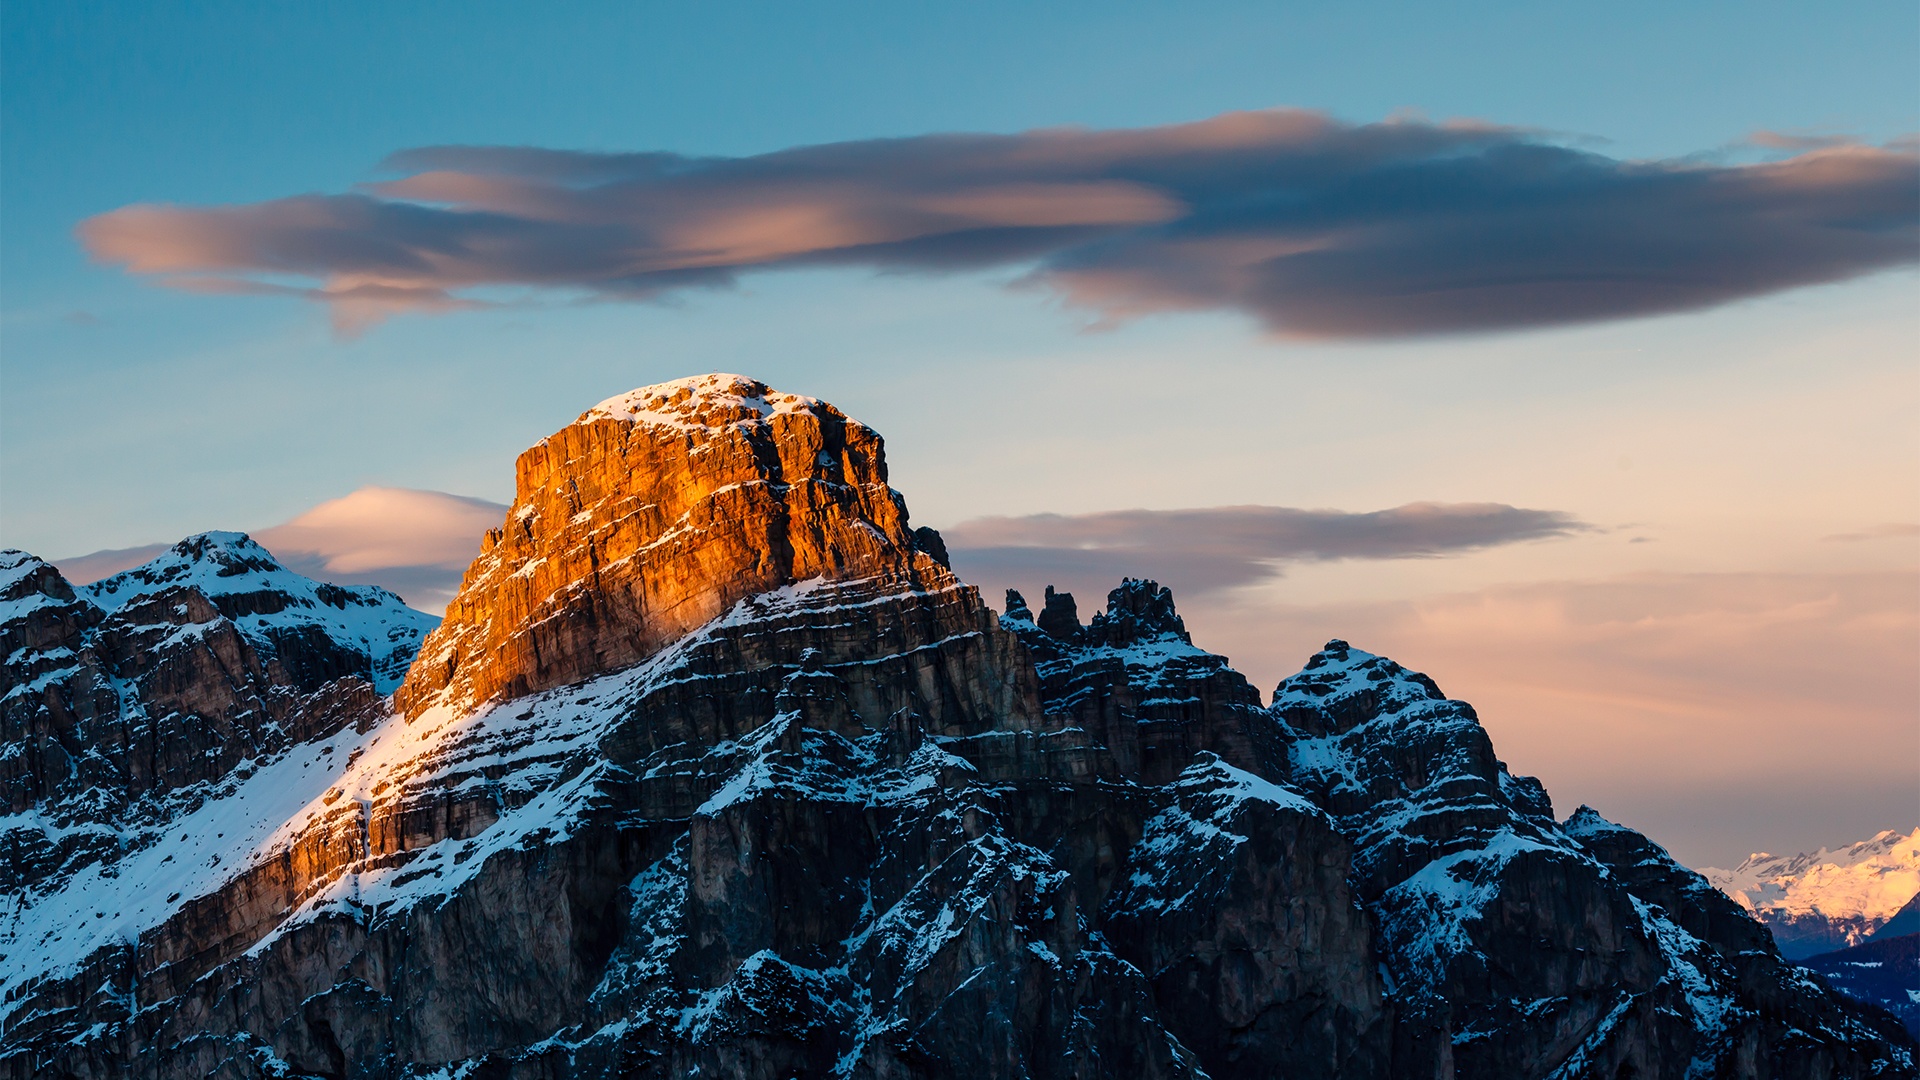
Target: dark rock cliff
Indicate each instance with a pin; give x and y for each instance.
(716, 770)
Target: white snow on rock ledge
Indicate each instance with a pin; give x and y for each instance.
(701, 403)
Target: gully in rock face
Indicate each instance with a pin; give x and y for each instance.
(714, 768)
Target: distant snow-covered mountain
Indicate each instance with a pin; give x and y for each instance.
(413, 543)
(1819, 901)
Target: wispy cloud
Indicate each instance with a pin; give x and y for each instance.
(89, 568)
(1225, 546)
(1315, 227)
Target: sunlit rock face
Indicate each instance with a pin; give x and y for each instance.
(651, 515)
(715, 770)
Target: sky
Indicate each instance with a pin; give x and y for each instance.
(1566, 354)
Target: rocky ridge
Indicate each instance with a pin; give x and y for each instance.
(139, 704)
(1884, 971)
(714, 769)
(172, 673)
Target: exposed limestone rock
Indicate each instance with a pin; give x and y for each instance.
(1136, 682)
(651, 515)
(1059, 617)
(716, 770)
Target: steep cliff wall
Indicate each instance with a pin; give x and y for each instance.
(714, 769)
(650, 516)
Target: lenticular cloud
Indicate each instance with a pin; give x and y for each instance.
(1315, 227)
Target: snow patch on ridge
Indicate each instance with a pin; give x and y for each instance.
(1200, 827)
(701, 403)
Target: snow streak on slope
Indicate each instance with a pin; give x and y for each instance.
(217, 832)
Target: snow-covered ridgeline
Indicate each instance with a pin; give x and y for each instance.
(261, 597)
(1870, 880)
(701, 403)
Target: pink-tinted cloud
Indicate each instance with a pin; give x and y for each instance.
(416, 543)
(1315, 227)
(1889, 530)
(89, 568)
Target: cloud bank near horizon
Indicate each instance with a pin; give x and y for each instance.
(1315, 227)
(1224, 547)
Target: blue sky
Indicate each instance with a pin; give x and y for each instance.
(1732, 441)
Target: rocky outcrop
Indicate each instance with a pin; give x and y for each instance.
(130, 705)
(1768, 1014)
(171, 674)
(651, 515)
(739, 780)
(1134, 679)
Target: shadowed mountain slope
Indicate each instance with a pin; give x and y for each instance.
(715, 769)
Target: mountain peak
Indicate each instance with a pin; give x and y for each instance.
(271, 604)
(1830, 898)
(1339, 673)
(1586, 821)
(776, 795)
(215, 560)
(625, 537)
(711, 401)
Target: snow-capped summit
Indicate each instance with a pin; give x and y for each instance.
(218, 563)
(1828, 899)
(266, 601)
(625, 536)
(1339, 672)
(702, 401)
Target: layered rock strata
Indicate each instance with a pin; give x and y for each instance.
(802, 805)
(651, 515)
